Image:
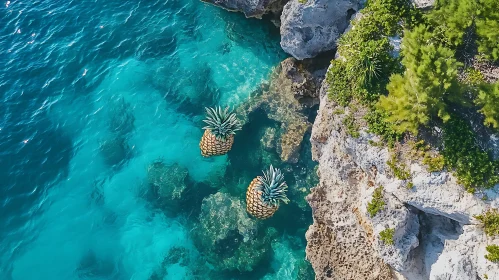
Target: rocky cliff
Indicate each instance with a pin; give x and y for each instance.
(435, 235)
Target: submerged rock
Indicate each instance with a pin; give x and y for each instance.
(115, 150)
(293, 90)
(121, 118)
(250, 8)
(313, 27)
(167, 182)
(268, 140)
(228, 237)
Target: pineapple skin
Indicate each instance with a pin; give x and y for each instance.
(211, 146)
(254, 203)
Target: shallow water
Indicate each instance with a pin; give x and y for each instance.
(93, 92)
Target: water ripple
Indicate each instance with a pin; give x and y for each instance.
(60, 61)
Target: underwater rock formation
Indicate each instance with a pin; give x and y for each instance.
(310, 28)
(121, 118)
(293, 89)
(115, 150)
(254, 8)
(268, 140)
(228, 237)
(167, 182)
(343, 243)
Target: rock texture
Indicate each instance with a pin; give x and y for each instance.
(293, 89)
(224, 224)
(423, 4)
(343, 242)
(250, 8)
(406, 225)
(310, 28)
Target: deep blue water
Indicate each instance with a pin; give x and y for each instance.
(92, 93)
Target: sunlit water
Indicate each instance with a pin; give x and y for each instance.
(93, 92)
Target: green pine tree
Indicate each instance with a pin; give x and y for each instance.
(488, 100)
(426, 87)
(487, 28)
(451, 19)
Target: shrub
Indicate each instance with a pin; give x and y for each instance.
(451, 19)
(473, 77)
(472, 166)
(428, 84)
(488, 100)
(351, 126)
(387, 236)
(377, 203)
(399, 168)
(493, 255)
(490, 222)
(376, 122)
(434, 163)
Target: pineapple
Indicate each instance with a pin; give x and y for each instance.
(265, 193)
(218, 136)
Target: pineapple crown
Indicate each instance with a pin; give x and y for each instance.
(273, 187)
(222, 123)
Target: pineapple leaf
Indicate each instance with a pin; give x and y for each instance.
(273, 187)
(222, 123)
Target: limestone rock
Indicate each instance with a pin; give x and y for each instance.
(314, 27)
(337, 246)
(464, 258)
(436, 193)
(250, 8)
(348, 167)
(269, 138)
(293, 90)
(423, 4)
(394, 215)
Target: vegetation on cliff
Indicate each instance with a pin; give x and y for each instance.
(432, 82)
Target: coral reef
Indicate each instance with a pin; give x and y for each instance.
(268, 140)
(168, 183)
(226, 235)
(293, 90)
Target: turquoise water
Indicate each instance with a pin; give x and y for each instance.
(98, 97)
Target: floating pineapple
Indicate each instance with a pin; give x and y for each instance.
(265, 193)
(218, 136)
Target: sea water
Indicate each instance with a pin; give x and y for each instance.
(93, 92)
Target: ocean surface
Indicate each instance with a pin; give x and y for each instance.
(102, 101)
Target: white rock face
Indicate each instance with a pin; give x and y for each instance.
(394, 216)
(311, 28)
(451, 245)
(423, 4)
(464, 258)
